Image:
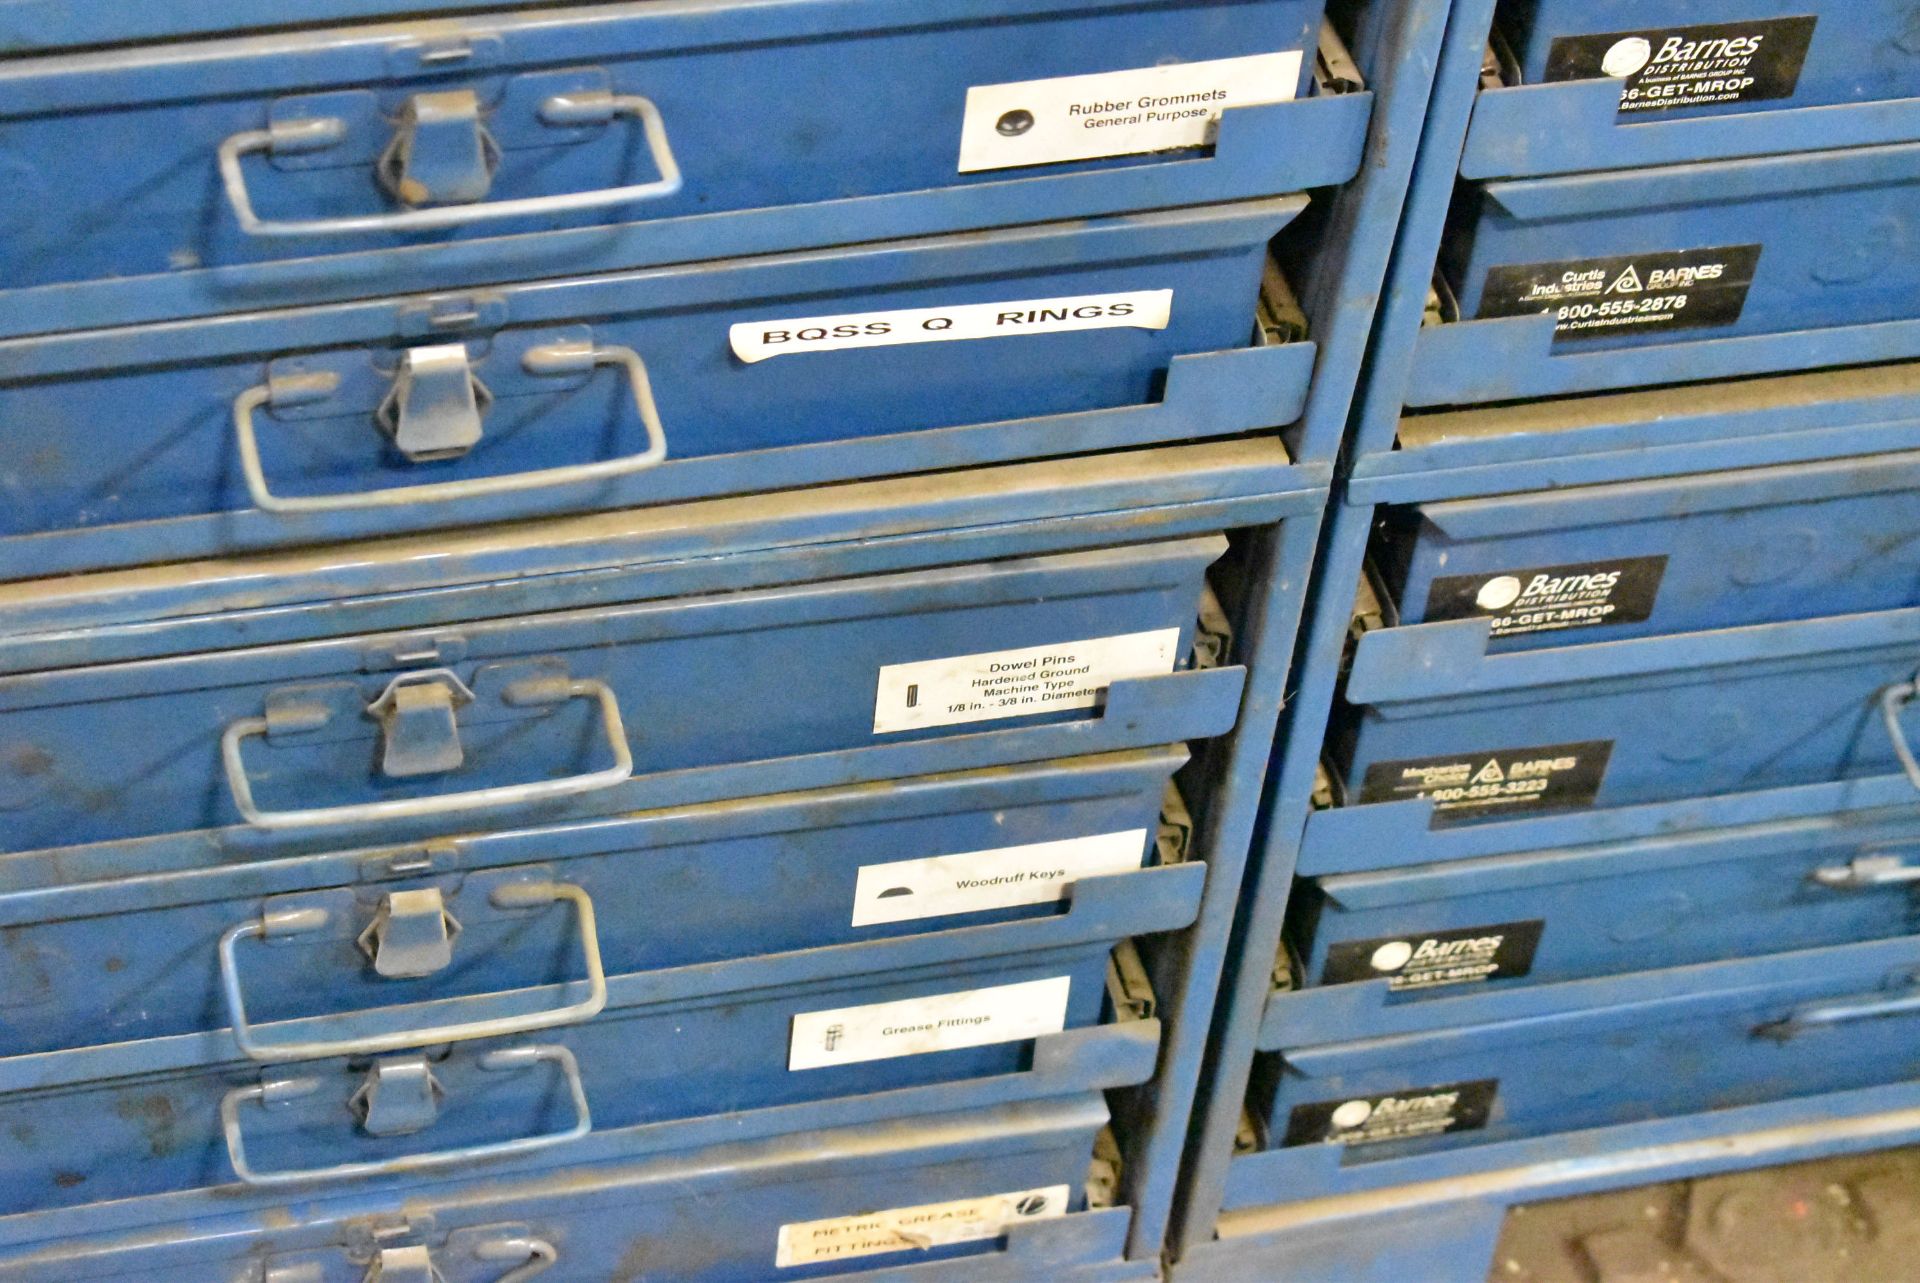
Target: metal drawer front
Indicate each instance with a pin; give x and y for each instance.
(1431, 714)
(1595, 1053)
(719, 1216)
(366, 929)
(337, 164)
(1806, 52)
(1696, 251)
(1700, 552)
(503, 720)
(335, 1124)
(1671, 273)
(1445, 930)
(296, 427)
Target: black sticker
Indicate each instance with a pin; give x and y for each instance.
(1406, 1115)
(1546, 778)
(1685, 289)
(1671, 67)
(1547, 599)
(1437, 959)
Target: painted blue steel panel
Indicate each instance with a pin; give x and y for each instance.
(1606, 908)
(165, 396)
(1675, 1043)
(1686, 553)
(1644, 720)
(838, 122)
(122, 751)
(670, 889)
(709, 1217)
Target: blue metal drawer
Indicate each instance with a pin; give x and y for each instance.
(1606, 280)
(1633, 83)
(744, 1048)
(281, 428)
(1430, 714)
(608, 708)
(1460, 1072)
(1421, 930)
(1004, 1188)
(328, 164)
(1714, 57)
(1722, 550)
(378, 928)
(1728, 238)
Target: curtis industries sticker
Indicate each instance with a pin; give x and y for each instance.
(937, 1022)
(1117, 113)
(1543, 778)
(755, 341)
(1588, 298)
(1547, 599)
(1438, 959)
(1016, 683)
(1037, 873)
(1407, 1115)
(907, 1229)
(1669, 67)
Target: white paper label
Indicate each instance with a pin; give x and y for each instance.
(754, 341)
(905, 1229)
(1016, 683)
(1038, 873)
(1116, 113)
(940, 1022)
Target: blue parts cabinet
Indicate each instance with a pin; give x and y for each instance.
(1586, 859)
(640, 639)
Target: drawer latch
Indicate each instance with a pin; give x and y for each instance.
(404, 1265)
(442, 153)
(399, 1097)
(435, 407)
(411, 935)
(419, 734)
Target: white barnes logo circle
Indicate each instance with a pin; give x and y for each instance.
(1627, 56)
(1392, 957)
(1352, 1114)
(1498, 594)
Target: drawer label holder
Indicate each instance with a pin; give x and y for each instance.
(1546, 777)
(1699, 66)
(1545, 599)
(1036, 873)
(1437, 959)
(756, 341)
(1404, 1115)
(1589, 298)
(909, 1229)
(938, 1022)
(1016, 683)
(1117, 113)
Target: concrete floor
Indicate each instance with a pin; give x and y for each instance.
(1851, 1220)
